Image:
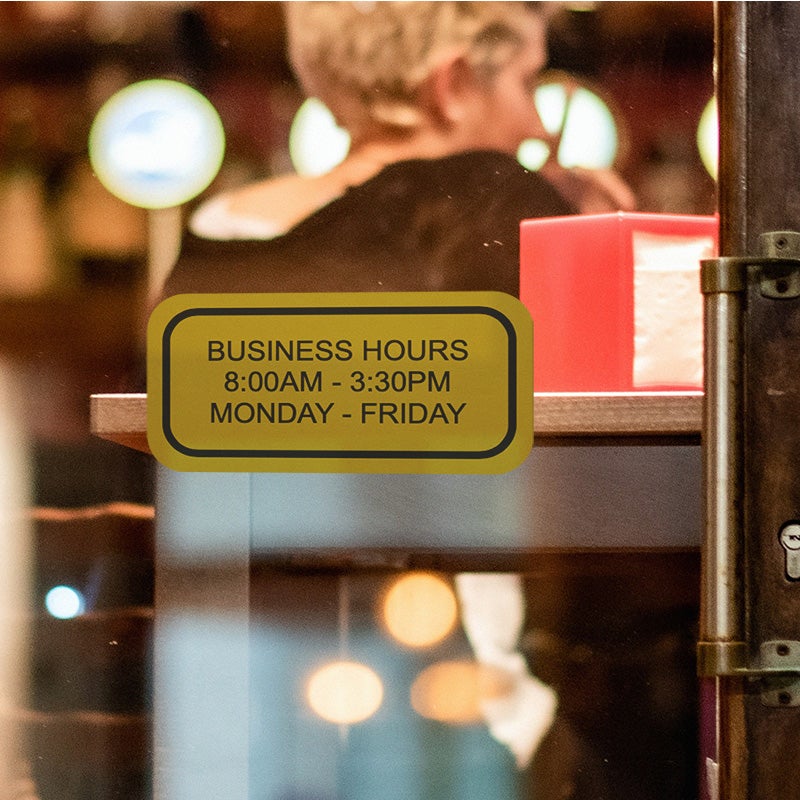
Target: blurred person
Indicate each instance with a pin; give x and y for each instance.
(436, 97)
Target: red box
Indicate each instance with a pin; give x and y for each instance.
(577, 280)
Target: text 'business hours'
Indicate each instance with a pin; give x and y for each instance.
(280, 382)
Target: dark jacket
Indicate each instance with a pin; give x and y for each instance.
(446, 224)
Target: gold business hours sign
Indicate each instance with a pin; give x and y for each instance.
(410, 382)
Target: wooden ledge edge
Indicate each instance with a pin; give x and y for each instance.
(122, 418)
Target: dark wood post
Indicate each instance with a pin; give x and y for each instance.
(755, 626)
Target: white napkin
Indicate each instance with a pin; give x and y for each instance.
(492, 613)
(668, 309)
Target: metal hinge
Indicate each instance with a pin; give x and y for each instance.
(776, 270)
(777, 668)
(780, 673)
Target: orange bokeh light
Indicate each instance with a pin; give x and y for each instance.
(453, 691)
(420, 609)
(345, 692)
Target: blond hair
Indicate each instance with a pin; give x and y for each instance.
(367, 60)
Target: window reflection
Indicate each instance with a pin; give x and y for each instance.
(590, 684)
(608, 638)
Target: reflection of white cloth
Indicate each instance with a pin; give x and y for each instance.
(712, 778)
(492, 613)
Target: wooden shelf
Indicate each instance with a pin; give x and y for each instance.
(122, 418)
(613, 414)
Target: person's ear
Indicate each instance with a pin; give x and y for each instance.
(451, 89)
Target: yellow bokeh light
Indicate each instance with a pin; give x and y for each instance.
(453, 691)
(345, 692)
(420, 609)
(316, 143)
(579, 119)
(708, 137)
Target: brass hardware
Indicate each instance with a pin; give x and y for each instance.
(777, 270)
(780, 674)
(723, 649)
(716, 659)
(777, 668)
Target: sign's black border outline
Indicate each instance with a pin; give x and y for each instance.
(342, 310)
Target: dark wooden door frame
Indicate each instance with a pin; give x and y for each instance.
(750, 616)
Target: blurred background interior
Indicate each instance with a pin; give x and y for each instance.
(72, 303)
(73, 255)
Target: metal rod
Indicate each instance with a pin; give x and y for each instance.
(722, 622)
(722, 603)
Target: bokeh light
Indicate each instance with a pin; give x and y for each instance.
(533, 154)
(156, 144)
(453, 691)
(708, 137)
(316, 143)
(345, 692)
(581, 121)
(64, 602)
(420, 609)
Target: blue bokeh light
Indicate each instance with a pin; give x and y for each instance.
(64, 602)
